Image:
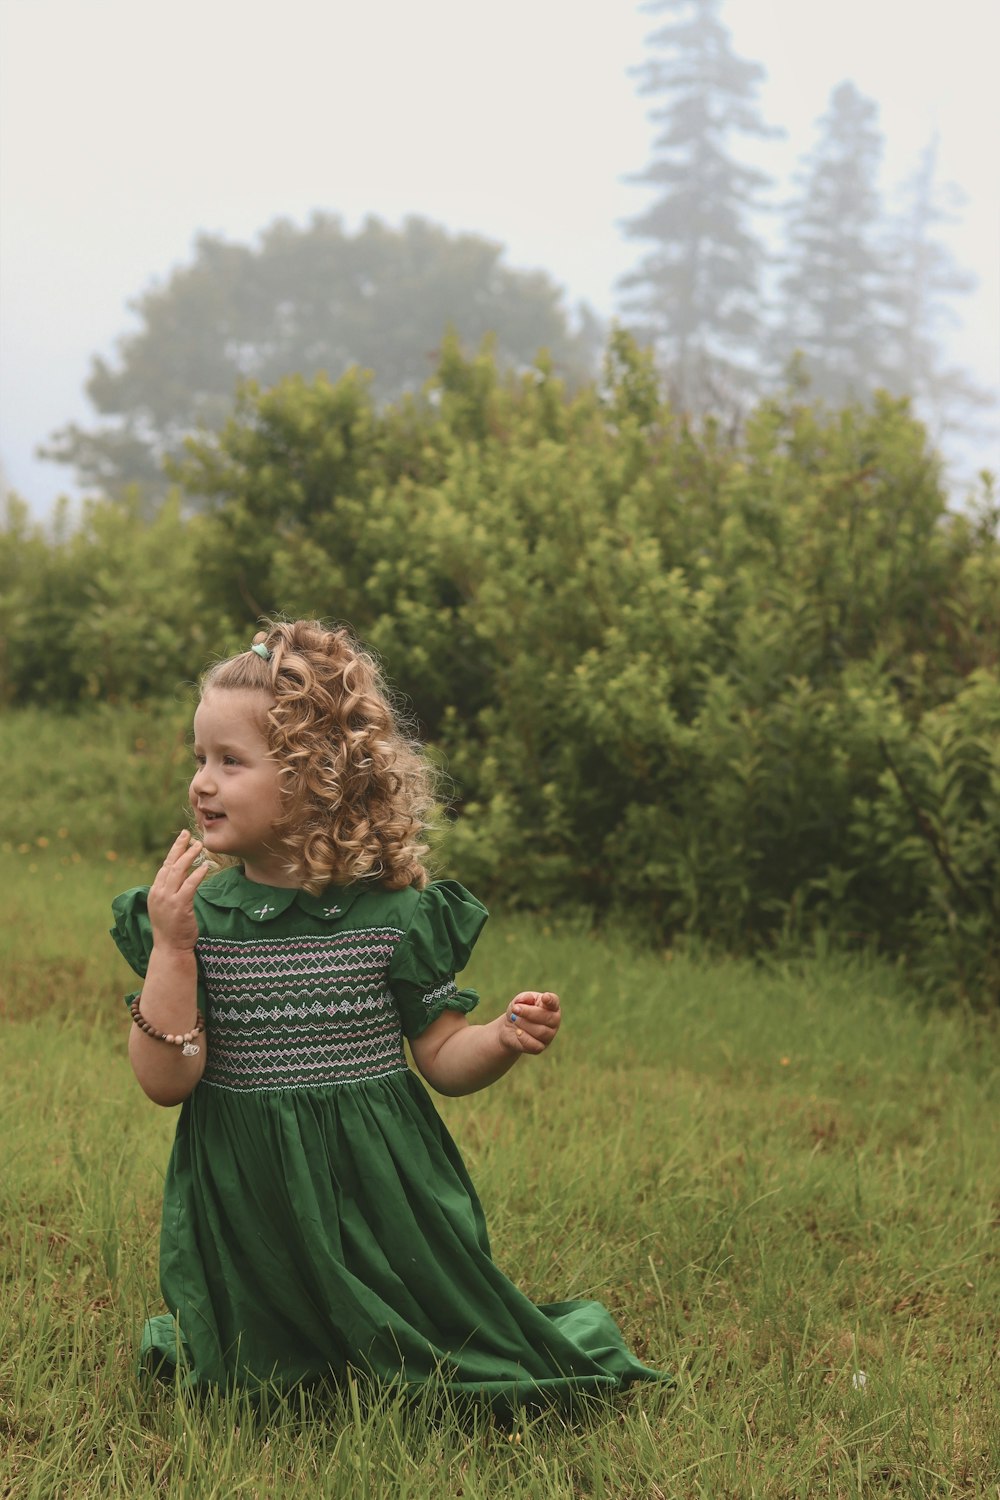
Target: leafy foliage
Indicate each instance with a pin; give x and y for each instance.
(737, 692)
(111, 609)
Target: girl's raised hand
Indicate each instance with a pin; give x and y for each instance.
(171, 896)
(533, 1018)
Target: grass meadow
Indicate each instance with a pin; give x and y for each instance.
(785, 1182)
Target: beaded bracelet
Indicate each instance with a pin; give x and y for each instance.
(186, 1041)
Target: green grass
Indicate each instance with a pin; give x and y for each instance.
(777, 1179)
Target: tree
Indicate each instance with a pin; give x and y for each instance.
(304, 300)
(841, 308)
(929, 281)
(696, 296)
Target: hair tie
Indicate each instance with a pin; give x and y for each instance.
(261, 651)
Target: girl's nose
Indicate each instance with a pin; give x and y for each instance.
(201, 782)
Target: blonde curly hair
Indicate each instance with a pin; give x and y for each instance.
(357, 790)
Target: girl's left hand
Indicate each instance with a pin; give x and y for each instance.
(532, 1020)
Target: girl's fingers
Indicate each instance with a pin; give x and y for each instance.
(533, 1027)
(520, 1039)
(191, 853)
(536, 1015)
(178, 847)
(537, 997)
(538, 1029)
(196, 876)
(182, 845)
(530, 1043)
(533, 1017)
(181, 856)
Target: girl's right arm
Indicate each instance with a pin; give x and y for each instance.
(169, 996)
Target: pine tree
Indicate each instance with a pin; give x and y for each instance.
(841, 309)
(696, 296)
(929, 281)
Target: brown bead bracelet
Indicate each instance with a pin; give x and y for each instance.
(185, 1041)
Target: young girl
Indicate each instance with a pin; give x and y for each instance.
(317, 1215)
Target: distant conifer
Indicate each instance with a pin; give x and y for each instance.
(841, 306)
(696, 296)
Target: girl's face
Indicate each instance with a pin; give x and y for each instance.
(235, 790)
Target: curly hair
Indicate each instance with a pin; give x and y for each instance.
(356, 789)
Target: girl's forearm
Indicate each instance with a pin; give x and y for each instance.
(168, 1004)
(467, 1058)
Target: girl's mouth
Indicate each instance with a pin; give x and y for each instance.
(208, 818)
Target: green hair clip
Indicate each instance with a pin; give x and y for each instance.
(261, 650)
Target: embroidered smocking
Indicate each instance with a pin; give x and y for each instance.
(447, 991)
(300, 1012)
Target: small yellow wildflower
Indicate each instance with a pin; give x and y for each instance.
(42, 842)
(111, 855)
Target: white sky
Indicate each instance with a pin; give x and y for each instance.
(126, 126)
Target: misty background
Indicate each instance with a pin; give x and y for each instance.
(125, 130)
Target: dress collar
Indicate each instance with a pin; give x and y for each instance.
(262, 903)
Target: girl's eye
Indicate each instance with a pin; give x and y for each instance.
(199, 760)
(230, 760)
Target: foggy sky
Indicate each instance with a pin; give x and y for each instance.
(126, 127)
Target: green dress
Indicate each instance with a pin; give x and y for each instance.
(317, 1216)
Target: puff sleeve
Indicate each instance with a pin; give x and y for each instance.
(133, 931)
(133, 937)
(436, 946)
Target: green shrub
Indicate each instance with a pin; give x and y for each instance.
(741, 690)
(114, 609)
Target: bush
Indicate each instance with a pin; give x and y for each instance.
(113, 610)
(739, 690)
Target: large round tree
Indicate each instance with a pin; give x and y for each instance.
(304, 301)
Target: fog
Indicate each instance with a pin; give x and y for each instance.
(125, 129)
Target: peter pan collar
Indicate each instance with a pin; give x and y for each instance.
(262, 903)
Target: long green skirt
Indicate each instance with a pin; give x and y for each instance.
(311, 1232)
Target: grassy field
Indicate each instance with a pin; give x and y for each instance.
(785, 1183)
